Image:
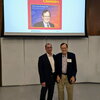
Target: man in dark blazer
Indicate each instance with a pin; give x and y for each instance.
(66, 69)
(46, 68)
(46, 15)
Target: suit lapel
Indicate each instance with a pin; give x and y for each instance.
(42, 24)
(60, 60)
(67, 58)
(67, 55)
(47, 60)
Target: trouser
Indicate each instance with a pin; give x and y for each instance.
(69, 87)
(49, 87)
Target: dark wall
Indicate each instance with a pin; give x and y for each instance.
(0, 41)
(93, 17)
(0, 15)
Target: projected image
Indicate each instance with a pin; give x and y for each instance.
(44, 17)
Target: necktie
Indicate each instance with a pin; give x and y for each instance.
(48, 25)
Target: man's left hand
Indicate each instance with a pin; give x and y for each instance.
(72, 79)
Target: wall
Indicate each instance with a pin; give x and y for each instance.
(20, 58)
(19, 55)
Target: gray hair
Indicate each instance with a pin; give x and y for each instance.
(47, 44)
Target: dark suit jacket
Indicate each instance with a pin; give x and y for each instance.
(44, 68)
(71, 66)
(40, 24)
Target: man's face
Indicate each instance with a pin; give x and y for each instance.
(64, 49)
(46, 17)
(48, 49)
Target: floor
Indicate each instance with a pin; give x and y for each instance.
(81, 92)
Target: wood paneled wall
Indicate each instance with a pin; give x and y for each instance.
(0, 41)
(93, 17)
(0, 15)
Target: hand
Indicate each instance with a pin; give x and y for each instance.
(43, 84)
(72, 79)
(58, 79)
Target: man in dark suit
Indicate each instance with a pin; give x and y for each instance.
(66, 70)
(46, 15)
(46, 68)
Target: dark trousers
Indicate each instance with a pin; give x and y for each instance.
(50, 88)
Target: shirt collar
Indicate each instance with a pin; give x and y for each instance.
(45, 24)
(49, 55)
(64, 55)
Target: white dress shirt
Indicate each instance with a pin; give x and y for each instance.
(46, 24)
(51, 60)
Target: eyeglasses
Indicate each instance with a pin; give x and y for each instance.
(48, 47)
(46, 16)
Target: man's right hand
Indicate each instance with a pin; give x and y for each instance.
(58, 79)
(43, 84)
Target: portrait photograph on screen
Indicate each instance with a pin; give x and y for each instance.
(44, 17)
(48, 13)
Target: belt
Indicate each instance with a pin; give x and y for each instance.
(53, 73)
(64, 73)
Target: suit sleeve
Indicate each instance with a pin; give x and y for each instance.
(41, 70)
(74, 65)
(36, 25)
(52, 25)
(57, 69)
